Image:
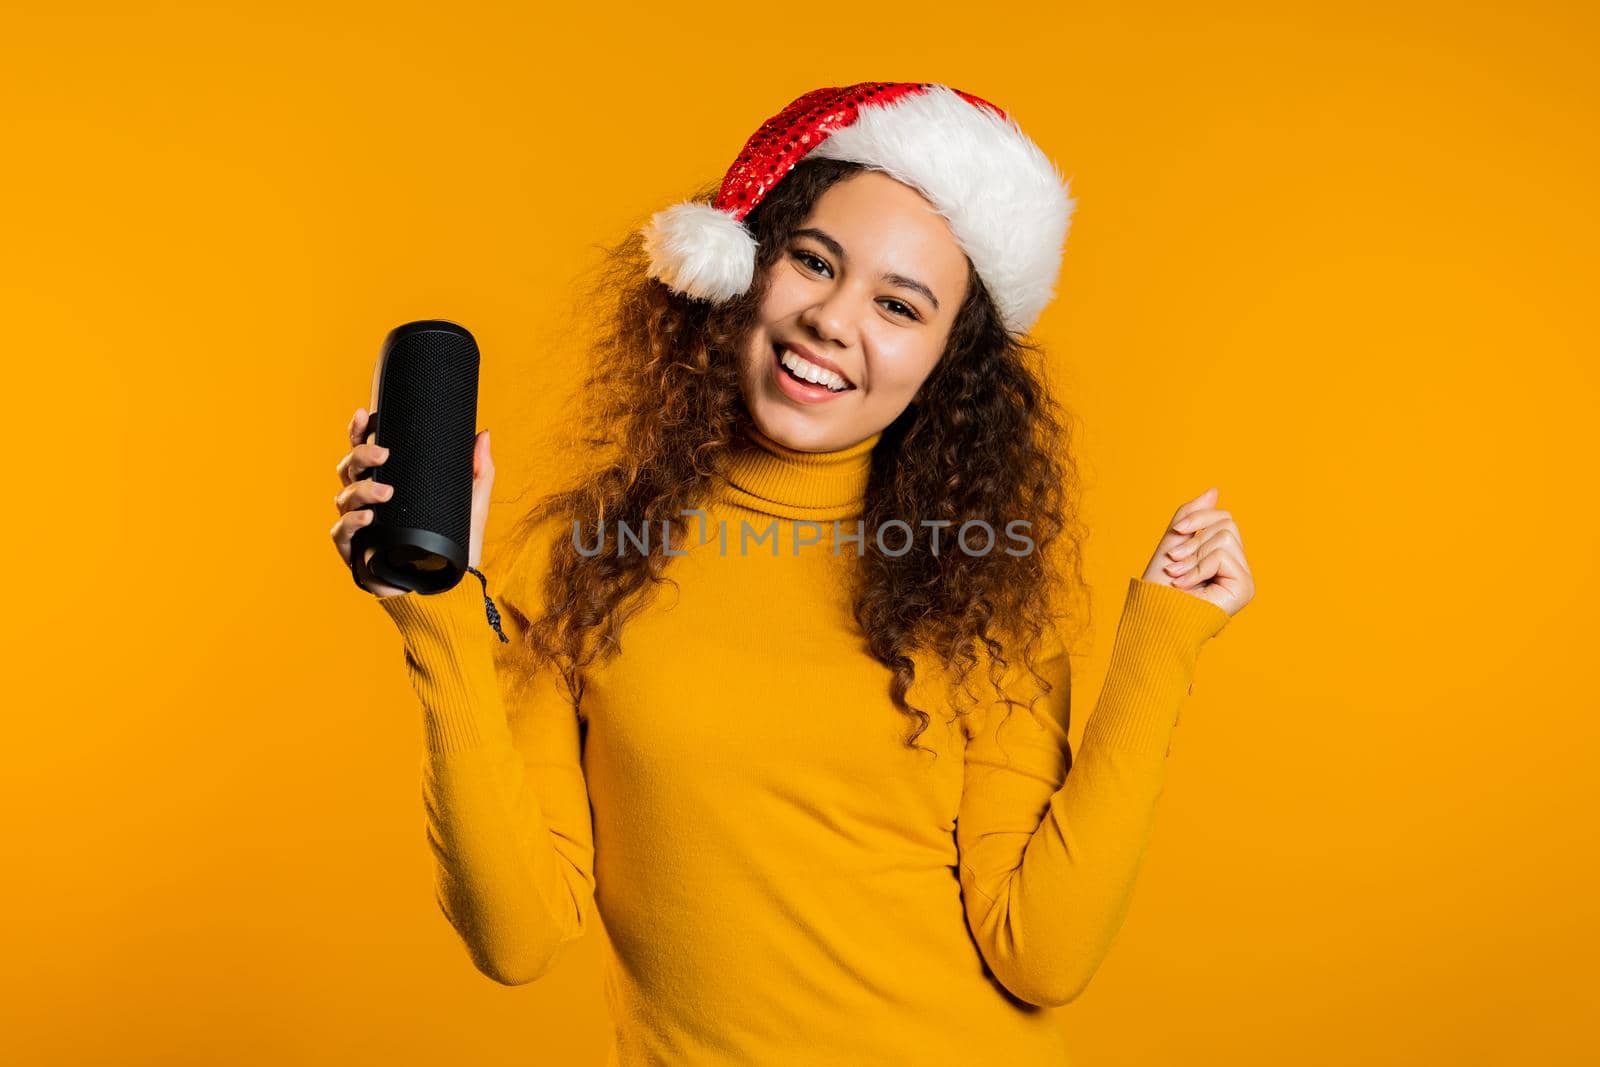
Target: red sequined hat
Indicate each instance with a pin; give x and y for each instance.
(1006, 203)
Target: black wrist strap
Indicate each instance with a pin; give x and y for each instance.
(492, 612)
(488, 605)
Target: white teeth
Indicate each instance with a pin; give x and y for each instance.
(813, 373)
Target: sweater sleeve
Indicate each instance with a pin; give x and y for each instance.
(506, 805)
(1048, 857)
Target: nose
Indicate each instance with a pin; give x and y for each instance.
(830, 317)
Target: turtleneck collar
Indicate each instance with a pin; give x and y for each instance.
(774, 479)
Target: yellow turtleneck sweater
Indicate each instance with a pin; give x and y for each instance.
(781, 879)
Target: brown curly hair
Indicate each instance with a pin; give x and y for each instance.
(662, 407)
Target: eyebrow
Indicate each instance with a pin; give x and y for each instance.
(892, 278)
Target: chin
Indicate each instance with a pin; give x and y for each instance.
(799, 430)
(793, 428)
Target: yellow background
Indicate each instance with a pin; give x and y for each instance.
(1336, 259)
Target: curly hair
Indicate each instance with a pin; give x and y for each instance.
(662, 408)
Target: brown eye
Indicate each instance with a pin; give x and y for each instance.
(808, 259)
(816, 263)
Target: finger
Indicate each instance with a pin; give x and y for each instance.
(1195, 548)
(346, 528)
(1205, 499)
(1236, 562)
(1190, 543)
(1205, 565)
(482, 461)
(1226, 573)
(362, 493)
(1200, 536)
(1219, 551)
(358, 426)
(1185, 555)
(1211, 528)
(1210, 539)
(1194, 520)
(358, 460)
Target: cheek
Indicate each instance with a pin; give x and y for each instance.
(784, 298)
(780, 305)
(750, 359)
(900, 370)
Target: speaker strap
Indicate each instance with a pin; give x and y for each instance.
(489, 610)
(488, 606)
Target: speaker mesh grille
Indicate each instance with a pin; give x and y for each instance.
(427, 418)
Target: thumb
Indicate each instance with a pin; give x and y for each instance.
(482, 459)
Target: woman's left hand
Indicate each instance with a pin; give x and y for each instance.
(1201, 553)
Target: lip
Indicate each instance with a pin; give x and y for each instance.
(799, 392)
(811, 357)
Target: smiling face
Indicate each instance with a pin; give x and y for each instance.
(860, 302)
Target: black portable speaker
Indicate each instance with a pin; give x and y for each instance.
(425, 412)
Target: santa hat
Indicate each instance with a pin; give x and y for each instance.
(1005, 202)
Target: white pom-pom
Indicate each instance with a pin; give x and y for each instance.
(700, 251)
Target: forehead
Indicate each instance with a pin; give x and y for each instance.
(888, 225)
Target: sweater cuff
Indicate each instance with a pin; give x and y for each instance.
(450, 652)
(1153, 660)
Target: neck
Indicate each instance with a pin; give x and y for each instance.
(784, 482)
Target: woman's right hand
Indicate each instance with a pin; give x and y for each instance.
(355, 496)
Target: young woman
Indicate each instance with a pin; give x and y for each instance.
(783, 692)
